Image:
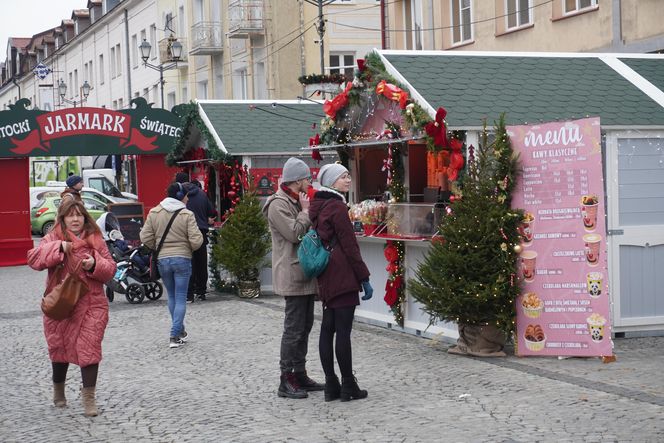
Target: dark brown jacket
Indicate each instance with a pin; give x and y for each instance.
(346, 269)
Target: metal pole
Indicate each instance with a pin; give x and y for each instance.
(161, 83)
(321, 33)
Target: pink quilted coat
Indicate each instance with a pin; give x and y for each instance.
(76, 339)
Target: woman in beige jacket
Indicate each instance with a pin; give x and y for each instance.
(175, 255)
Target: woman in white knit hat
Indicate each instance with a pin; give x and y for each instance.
(339, 285)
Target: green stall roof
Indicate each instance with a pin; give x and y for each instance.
(533, 87)
(263, 126)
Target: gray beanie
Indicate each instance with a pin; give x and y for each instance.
(294, 170)
(328, 174)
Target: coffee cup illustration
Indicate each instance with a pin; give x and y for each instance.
(596, 324)
(594, 284)
(528, 259)
(589, 204)
(591, 248)
(526, 228)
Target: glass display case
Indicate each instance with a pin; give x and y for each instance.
(412, 220)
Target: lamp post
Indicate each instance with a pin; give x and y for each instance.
(84, 90)
(175, 52)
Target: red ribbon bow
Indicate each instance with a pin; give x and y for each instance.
(331, 107)
(437, 130)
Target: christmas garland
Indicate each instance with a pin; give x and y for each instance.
(318, 78)
(190, 117)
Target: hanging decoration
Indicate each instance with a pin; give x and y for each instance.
(315, 153)
(395, 288)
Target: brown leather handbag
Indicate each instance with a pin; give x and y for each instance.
(60, 301)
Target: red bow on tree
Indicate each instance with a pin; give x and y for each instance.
(315, 153)
(392, 92)
(437, 130)
(391, 253)
(331, 107)
(456, 159)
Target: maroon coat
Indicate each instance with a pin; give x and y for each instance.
(346, 269)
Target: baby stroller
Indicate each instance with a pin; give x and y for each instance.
(132, 276)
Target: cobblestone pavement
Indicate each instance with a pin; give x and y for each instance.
(221, 386)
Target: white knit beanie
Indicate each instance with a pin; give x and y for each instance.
(329, 174)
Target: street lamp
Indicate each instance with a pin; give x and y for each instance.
(174, 49)
(84, 90)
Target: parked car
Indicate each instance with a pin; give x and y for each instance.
(38, 192)
(42, 216)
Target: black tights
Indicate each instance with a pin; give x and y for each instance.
(337, 321)
(88, 374)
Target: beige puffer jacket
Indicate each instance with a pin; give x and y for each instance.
(184, 235)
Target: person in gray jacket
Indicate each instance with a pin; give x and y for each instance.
(287, 212)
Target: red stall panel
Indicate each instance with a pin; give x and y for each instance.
(152, 179)
(15, 236)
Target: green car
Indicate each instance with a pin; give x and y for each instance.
(42, 215)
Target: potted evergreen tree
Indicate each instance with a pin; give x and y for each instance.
(470, 276)
(242, 244)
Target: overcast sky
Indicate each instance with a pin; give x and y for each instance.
(24, 18)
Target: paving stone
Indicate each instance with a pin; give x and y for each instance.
(221, 386)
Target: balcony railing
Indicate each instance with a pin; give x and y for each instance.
(245, 18)
(206, 39)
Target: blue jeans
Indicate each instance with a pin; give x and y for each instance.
(175, 273)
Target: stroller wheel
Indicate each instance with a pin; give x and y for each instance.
(135, 293)
(110, 294)
(153, 290)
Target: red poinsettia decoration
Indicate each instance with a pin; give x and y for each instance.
(437, 130)
(391, 253)
(331, 107)
(315, 153)
(456, 159)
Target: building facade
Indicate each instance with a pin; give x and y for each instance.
(525, 25)
(232, 49)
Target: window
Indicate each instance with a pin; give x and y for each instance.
(118, 63)
(91, 74)
(94, 205)
(577, 5)
(412, 13)
(240, 85)
(198, 11)
(134, 51)
(181, 25)
(170, 99)
(113, 62)
(153, 41)
(120, 103)
(71, 85)
(185, 94)
(202, 90)
(518, 13)
(146, 93)
(343, 64)
(77, 85)
(461, 18)
(101, 69)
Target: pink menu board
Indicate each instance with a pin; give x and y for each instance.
(564, 306)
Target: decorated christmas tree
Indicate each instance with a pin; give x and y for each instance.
(470, 275)
(243, 241)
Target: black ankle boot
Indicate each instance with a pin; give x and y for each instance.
(350, 390)
(332, 388)
(289, 387)
(306, 383)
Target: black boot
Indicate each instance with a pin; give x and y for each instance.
(306, 383)
(289, 387)
(350, 390)
(332, 388)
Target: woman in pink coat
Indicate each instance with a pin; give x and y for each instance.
(76, 238)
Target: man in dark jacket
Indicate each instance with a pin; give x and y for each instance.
(287, 214)
(74, 186)
(204, 211)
